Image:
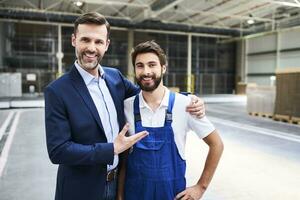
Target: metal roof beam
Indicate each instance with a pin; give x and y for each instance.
(284, 3)
(31, 4)
(116, 3)
(195, 13)
(53, 5)
(167, 7)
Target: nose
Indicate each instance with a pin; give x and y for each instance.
(147, 70)
(91, 47)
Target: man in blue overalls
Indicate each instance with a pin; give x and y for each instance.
(155, 168)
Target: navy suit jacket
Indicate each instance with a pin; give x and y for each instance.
(75, 135)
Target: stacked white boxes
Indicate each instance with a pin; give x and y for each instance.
(10, 84)
(261, 99)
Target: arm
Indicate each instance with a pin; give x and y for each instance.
(130, 88)
(61, 148)
(215, 144)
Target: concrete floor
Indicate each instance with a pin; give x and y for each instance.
(260, 161)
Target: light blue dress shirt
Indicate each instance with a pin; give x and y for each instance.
(104, 103)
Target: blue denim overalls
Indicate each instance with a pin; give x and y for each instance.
(155, 170)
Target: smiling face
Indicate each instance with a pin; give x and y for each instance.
(148, 71)
(91, 43)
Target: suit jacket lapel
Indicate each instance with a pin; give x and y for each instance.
(84, 93)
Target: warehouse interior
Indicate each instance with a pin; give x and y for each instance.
(213, 46)
(242, 57)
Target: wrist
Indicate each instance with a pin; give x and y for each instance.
(115, 149)
(202, 186)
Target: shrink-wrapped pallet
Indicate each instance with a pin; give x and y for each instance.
(260, 99)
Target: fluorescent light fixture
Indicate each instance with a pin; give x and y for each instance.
(250, 21)
(78, 3)
(287, 3)
(273, 78)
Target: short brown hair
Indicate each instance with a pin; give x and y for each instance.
(149, 47)
(92, 18)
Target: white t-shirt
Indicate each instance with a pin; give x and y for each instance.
(182, 120)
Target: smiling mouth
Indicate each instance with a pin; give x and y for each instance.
(147, 78)
(90, 57)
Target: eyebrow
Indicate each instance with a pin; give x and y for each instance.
(150, 62)
(88, 38)
(84, 38)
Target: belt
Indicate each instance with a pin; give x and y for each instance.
(111, 175)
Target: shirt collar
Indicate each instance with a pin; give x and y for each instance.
(87, 77)
(164, 102)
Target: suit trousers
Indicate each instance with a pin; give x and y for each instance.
(110, 190)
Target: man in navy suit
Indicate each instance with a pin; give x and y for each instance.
(84, 116)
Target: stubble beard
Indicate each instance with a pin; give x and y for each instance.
(146, 87)
(88, 65)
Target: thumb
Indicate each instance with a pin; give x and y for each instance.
(180, 195)
(124, 130)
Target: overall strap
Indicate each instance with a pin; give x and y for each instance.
(170, 107)
(137, 114)
(136, 110)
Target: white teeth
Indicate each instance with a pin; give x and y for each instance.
(147, 78)
(90, 56)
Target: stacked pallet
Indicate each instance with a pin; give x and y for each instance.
(241, 88)
(260, 100)
(287, 104)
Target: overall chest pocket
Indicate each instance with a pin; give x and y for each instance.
(154, 141)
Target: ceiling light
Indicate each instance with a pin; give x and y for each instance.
(78, 3)
(250, 21)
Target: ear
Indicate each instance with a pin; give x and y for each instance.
(107, 44)
(164, 69)
(73, 40)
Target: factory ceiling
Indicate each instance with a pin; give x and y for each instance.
(224, 17)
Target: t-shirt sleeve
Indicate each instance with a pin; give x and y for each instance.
(202, 127)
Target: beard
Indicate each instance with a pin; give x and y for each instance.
(86, 64)
(148, 87)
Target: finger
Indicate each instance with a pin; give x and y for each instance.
(141, 135)
(194, 109)
(124, 130)
(138, 136)
(200, 115)
(181, 194)
(195, 105)
(193, 101)
(185, 197)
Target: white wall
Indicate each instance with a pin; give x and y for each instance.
(290, 39)
(266, 53)
(289, 59)
(262, 44)
(262, 63)
(261, 59)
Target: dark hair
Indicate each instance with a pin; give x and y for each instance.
(92, 18)
(149, 47)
